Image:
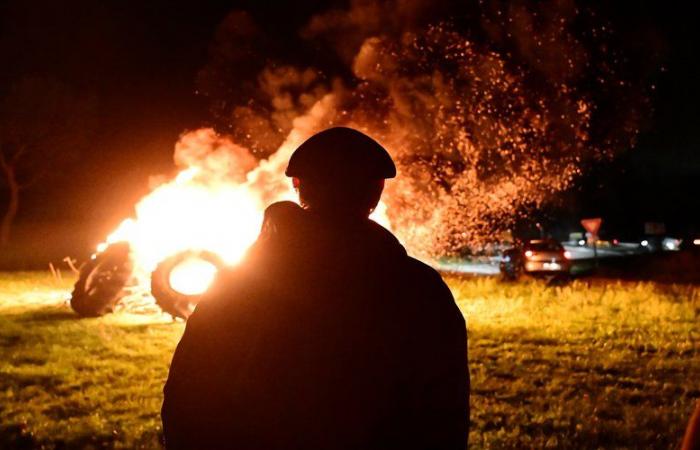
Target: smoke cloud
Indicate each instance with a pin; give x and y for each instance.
(489, 110)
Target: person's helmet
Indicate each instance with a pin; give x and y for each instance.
(341, 153)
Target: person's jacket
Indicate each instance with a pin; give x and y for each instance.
(328, 336)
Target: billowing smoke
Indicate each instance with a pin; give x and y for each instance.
(216, 160)
(213, 156)
(489, 111)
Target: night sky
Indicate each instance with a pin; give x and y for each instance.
(140, 59)
(658, 179)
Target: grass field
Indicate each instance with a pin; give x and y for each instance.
(582, 366)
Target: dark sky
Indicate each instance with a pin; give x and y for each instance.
(140, 59)
(657, 180)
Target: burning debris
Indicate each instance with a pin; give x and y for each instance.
(187, 228)
(488, 114)
(479, 138)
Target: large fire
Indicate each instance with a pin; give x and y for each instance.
(480, 135)
(215, 204)
(187, 213)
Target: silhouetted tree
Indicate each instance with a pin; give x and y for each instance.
(42, 126)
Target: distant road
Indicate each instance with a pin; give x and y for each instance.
(469, 266)
(489, 265)
(622, 249)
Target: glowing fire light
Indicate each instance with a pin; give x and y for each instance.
(215, 204)
(192, 276)
(185, 214)
(476, 143)
(476, 147)
(211, 205)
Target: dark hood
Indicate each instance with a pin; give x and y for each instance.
(290, 229)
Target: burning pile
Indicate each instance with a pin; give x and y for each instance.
(478, 138)
(187, 228)
(488, 115)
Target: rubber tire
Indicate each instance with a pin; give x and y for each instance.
(172, 302)
(102, 280)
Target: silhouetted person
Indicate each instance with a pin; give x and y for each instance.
(328, 336)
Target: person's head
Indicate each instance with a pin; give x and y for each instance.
(340, 171)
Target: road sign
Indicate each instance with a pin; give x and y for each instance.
(592, 225)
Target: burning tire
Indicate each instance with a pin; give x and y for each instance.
(102, 280)
(179, 281)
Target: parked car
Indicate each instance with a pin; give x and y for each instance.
(538, 256)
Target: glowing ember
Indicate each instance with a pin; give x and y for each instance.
(192, 276)
(487, 119)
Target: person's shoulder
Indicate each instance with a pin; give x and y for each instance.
(431, 298)
(423, 273)
(220, 295)
(426, 279)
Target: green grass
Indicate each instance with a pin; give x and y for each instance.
(606, 365)
(78, 382)
(581, 366)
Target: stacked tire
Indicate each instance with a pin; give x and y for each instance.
(171, 301)
(102, 281)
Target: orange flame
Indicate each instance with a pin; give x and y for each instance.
(215, 204)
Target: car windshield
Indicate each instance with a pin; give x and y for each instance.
(544, 246)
